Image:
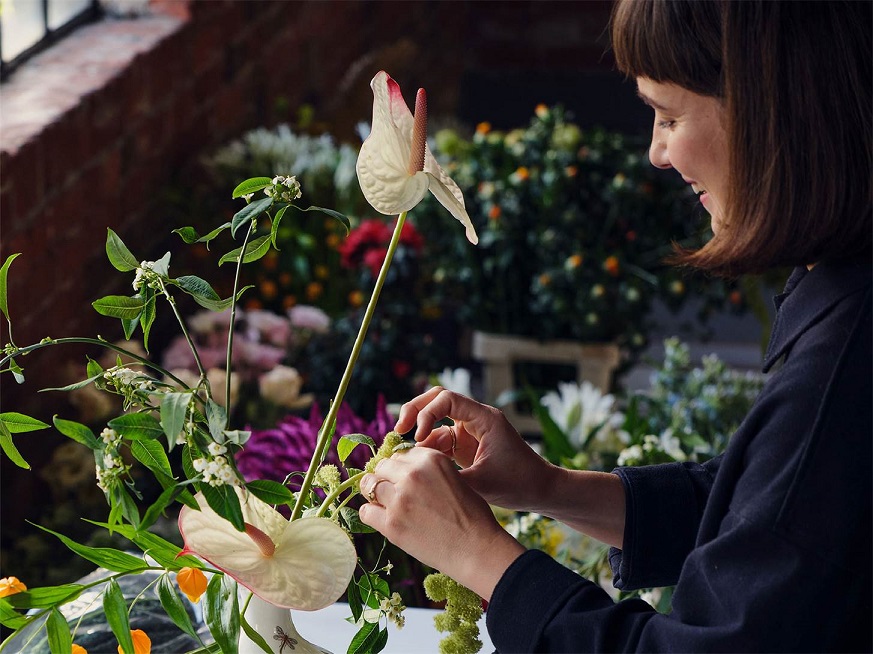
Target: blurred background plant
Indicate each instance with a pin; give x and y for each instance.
(573, 225)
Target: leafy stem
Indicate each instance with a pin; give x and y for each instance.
(326, 431)
(348, 483)
(91, 341)
(187, 335)
(236, 276)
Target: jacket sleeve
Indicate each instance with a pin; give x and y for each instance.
(782, 557)
(660, 498)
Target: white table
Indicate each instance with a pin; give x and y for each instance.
(328, 628)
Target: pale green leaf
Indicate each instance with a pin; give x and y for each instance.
(4, 271)
(9, 448)
(173, 606)
(174, 410)
(151, 455)
(58, 631)
(18, 423)
(119, 306)
(119, 255)
(254, 251)
(77, 431)
(115, 609)
(251, 185)
(349, 442)
(221, 612)
(248, 213)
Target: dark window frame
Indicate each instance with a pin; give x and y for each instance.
(49, 36)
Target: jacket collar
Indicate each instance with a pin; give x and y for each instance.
(808, 295)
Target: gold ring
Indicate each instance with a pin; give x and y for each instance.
(371, 494)
(454, 439)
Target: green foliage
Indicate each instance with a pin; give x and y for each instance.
(573, 224)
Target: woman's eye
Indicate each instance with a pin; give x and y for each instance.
(666, 124)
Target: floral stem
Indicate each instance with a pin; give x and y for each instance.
(90, 341)
(326, 431)
(348, 483)
(188, 338)
(242, 254)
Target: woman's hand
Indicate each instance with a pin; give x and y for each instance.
(419, 502)
(497, 462)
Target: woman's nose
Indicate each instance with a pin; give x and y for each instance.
(658, 152)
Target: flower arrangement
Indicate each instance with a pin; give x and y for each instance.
(231, 526)
(573, 225)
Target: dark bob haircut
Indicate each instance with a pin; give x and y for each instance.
(795, 81)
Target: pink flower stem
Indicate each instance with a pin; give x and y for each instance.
(325, 433)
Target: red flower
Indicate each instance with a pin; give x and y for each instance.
(401, 369)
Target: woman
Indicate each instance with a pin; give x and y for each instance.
(764, 108)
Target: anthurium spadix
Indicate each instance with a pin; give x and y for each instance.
(305, 564)
(395, 166)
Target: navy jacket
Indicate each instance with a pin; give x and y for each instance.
(769, 544)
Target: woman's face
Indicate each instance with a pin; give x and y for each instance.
(689, 135)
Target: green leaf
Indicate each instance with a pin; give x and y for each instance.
(349, 442)
(59, 637)
(122, 499)
(9, 448)
(151, 455)
(137, 426)
(203, 293)
(17, 371)
(248, 213)
(161, 550)
(353, 597)
(76, 431)
(254, 636)
(251, 185)
(119, 255)
(274, 228)
(4, 272)
(119, 306)
(45, 597)
(353, 521)
(190, 235)
(333, 214)
(146, 319)
(18, 423)
(224, 501)
(237, 436)
(174, 410)
(173, 606)
(373, 589)
(221, 612)
(364, 639)
(104, 557)
(156, 509)
(271, 492)
(10, 618)
(74, 386)
(254, 251)
(116, 615)
(216, 417)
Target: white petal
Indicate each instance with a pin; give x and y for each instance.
(445, 194)
(310, 569)
(383, 162)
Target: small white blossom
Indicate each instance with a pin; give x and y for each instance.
(217, 449)
(393, 608)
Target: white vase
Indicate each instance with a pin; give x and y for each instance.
(274, 625)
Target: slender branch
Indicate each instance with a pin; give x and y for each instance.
(324, 434)
(92, 341)
(348, 483)
(242, 254)
(188, 338)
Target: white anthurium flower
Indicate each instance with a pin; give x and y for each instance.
(578, 409)
(305, 564)
(395, 166)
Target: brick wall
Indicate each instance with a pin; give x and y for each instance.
(92, 130)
